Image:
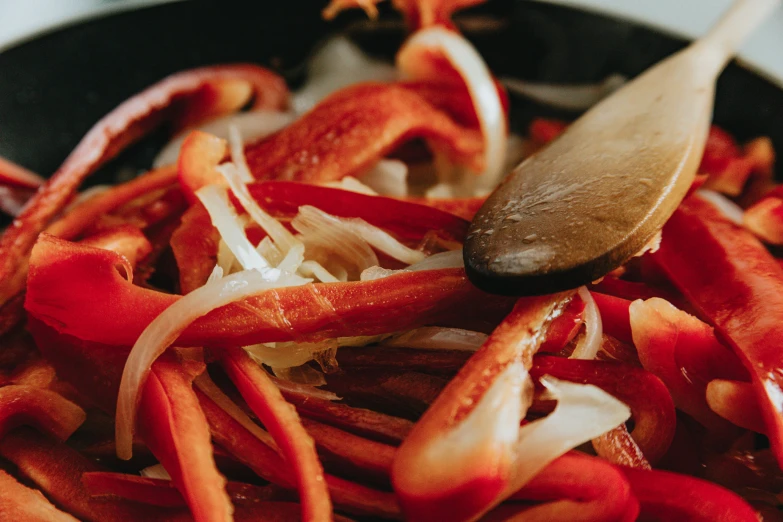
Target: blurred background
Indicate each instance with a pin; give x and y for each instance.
(21, 19)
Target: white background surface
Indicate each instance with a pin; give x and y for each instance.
(20, 19)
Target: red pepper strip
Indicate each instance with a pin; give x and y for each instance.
(471, 480)
(465, 208)
(403, 219)
(350, 455)
(46, 410)
(200, 154)
(176, 431)
(162, 492)
(618, 447)
(365, 423)
(685, 354)
(680, 498)
(120, 128)
(614, 316)
(17, 176)
(281, 421)
(724, 162)
(265, 461)
(145, 212)
(84, 214)
(651, 405)
(353, 128)
(733, 281)
(18, 502)
(13, 200)
(195, 246)
(578, 488)
(633, 290)
(57, 469)
(564, 327)
(127, 241)
(765, 220)
(543, 130)
(736, 402)
(79, 291)
(418, 13)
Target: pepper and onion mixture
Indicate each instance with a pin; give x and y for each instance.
(275, 323)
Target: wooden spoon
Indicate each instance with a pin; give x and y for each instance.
(595, 196)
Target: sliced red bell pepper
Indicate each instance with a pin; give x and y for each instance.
(736, 402)
(175, 430)
(57, 470)
(349, 455)
(651, 405)
(254, 453)
(679, 498)
(352, 129)
(734, 282)
(195, 246)
(684, 353)
(15, 175)
(76, 220)
(465, 208)
(199, 156)
(544, 130)
(477, 470)
(369, 424)
(18, 502)
(120, 128)
(13, 200)
(614, 316)
(127, 241)
(765, 220)
(280, 419)
(162, 492)
(578, 487)
(79, 291)
(405, 220)
(46, 410)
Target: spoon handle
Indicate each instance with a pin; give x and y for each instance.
(736, 24)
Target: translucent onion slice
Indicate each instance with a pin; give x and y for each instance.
(388, 177)
(583, 412)
(727, 207)
(315, 270)
(211, 390)
(155, 472)
(215, 200)
(165, 329)
(237, 147)
(351, 184)
(590, 343)
(304, 374)
(337, 64)
(303, 390)
(377, 272)
(329, 233)
(283, 239)
(450, 259)
(572, 97)
(252, 125)
(438, 338)
(474, 71)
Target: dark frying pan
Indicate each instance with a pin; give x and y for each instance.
(54, 87)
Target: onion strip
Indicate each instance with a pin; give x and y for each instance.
(588, 346)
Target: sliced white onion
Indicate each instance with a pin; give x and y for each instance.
(225, 258)
(480, 83)
(304, 390)
(727, 207)
(155, 472)
(319, 228)
(351, 184)
(652, 245)
(337, 64)
(211, 390)
(382, 241)
(450, 259)
(388, 177)
(377, 272)
(590, 343)
(237, 147)
(583, 412)
(215, 200)
(314, 269)
(252, 125)
(572, 97)
(438, 338)
(165, 329)
(283, 239)
(304, 374)
(288, 354)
